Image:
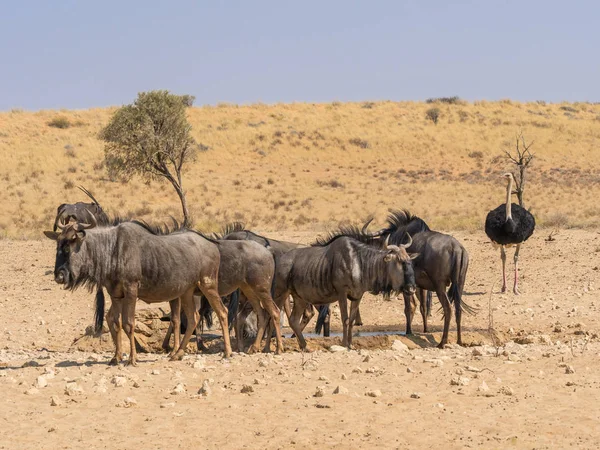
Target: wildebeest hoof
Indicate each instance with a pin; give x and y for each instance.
(252, 350)
(177, 356)
(441, 345)
(114, 362)
(131, 363)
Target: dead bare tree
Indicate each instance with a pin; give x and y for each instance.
(521, 160)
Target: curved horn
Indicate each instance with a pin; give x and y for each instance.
(409, 242)
(60, 224)
(363, 230)
(84, 226)
(387, 240)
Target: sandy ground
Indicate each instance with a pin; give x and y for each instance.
(538, 388)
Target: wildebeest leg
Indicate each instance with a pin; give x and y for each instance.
(199, 342)
(307, 315)
(113, 318)
(409, 309)
(240, 320)
(174, 326)
(443, 297)
(516, 287)
(212, 295)
(130, 292)
(422, 307)
(343, 302)
(354, 304)
(358, 322)
(503, 257)
(260, 317)
(297, 311)
(192, 316)
(269, 307)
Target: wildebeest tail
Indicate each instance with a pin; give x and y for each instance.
(323, 312)
(459, 276)
(99, 312)
(232, 307)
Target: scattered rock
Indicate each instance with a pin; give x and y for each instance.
(340, 390)
(73, 389)
(483, 387)
(506, 390)
(205, 390)
(31, 363)
(127, 403)
(142, 328)
(415, 395)
(477, 352)
(323, 378)
(32, 391)
(247, 389)
(119, 381)
(473, 369)
(459, 381)
(41, 382)
(167, 405)
(400, 346)
(357, 370)
(344, 377)
(569, 369)
(439, 405)
(263, 363)
(179, 389)
(337, 348)
(409, 370)
(55, 401)
(155, 372)
(375, 393)
(198, 364)
(367, 358)
(320, 392)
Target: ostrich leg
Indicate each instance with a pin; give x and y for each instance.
(503, 257)
(516, 287)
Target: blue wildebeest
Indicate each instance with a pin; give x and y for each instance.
(132, 260)
(81, 212)
(249, 267)
(340, 269)
(442, 262)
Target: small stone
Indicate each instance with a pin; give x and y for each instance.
(247, 389)
(399, 346)
(55, 401)
(41, 382)
(459, 381)
(375, 393)
(49, 373)
(439, 405)
(357, 370)
(32, 391)
(155, 372)
(205, 390)
(118, 381)
(415, 395)
(409, 370)
(344, 377)
(337, 348)
(52, 429)
(483, 387)
(506, 390)
(569, 369)
(367, 358)
(136, 384)
(198, 364)
(179, 389)
(127, 403)
(167, 405)
(340, 390)
(73, 388)
(473, 369)
(323, 378)
(477, 352)
(320, 392)
(263, 363)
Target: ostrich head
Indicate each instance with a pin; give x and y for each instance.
(509, 176)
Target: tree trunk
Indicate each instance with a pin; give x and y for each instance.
(181, 194)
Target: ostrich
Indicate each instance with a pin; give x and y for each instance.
(507, 225)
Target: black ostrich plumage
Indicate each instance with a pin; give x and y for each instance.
(514, 231)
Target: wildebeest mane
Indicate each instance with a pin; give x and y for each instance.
(230, 228)
(165, 229)
(351, 231)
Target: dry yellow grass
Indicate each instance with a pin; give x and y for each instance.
(310, 166)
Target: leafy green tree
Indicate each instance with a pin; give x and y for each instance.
(151, 138)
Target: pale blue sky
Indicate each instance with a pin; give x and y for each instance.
(81, 54)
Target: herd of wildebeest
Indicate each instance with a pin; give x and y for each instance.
(200, 273)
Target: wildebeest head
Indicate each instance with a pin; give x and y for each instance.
(400, 268)
(68, 245)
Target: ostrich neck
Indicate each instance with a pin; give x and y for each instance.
(508, 204)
